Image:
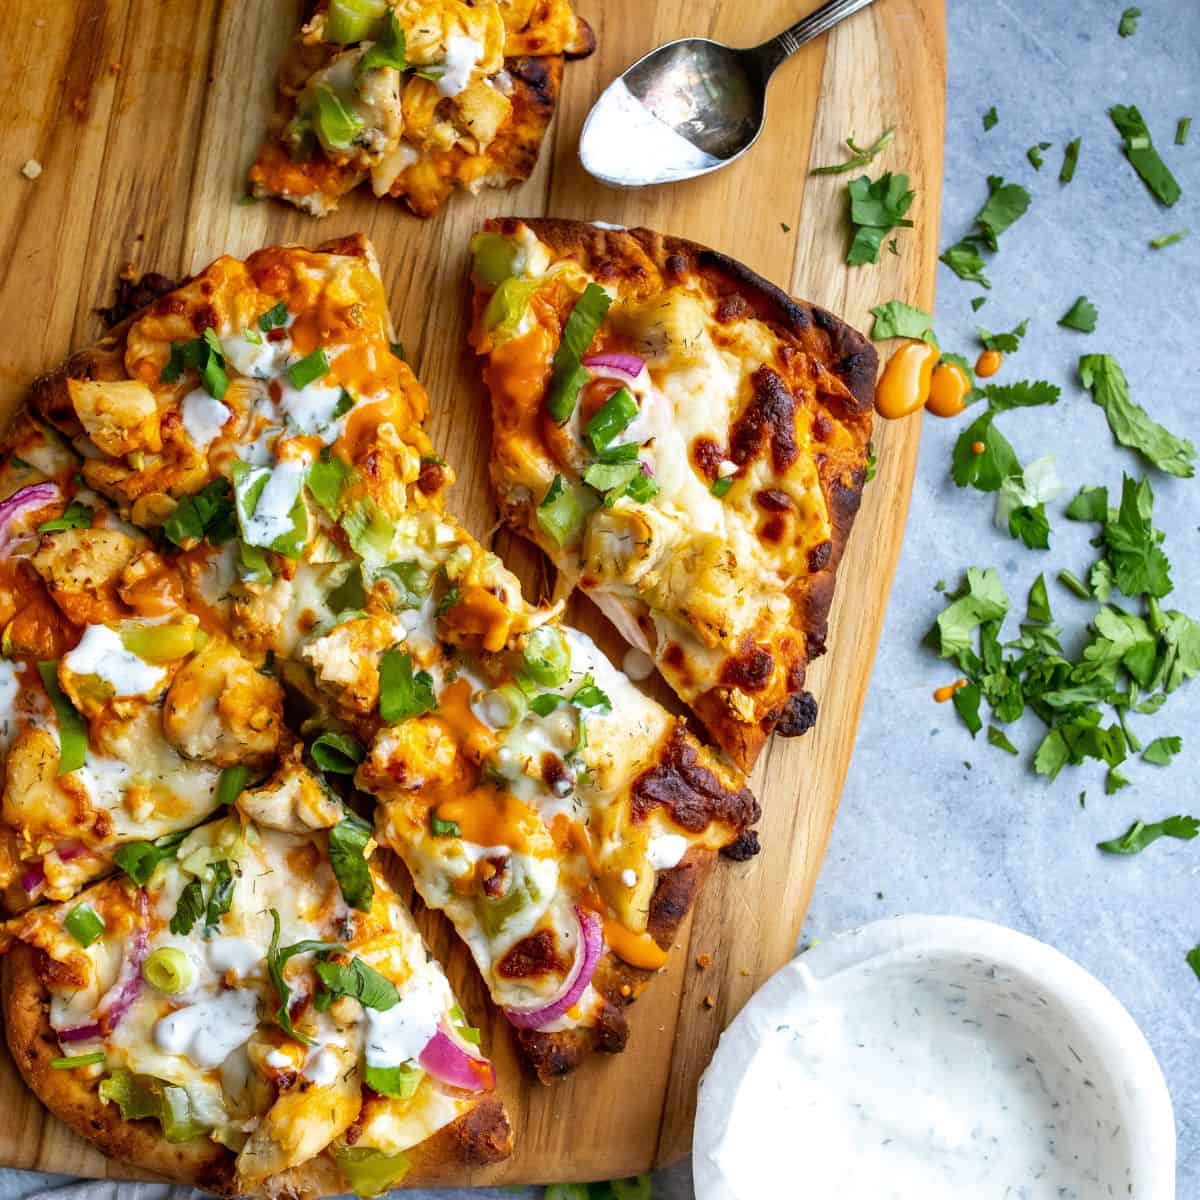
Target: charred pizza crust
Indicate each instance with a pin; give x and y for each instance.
(819, 364)
(477, 1138)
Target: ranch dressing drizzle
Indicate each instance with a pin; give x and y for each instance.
(903, 1085)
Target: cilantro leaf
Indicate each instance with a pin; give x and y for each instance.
(998, 738)
(1006, 203)
(277, 959)
(876, 208)
(981, 600)
(1090, 504)
(1006, 343)
(1139, 149)
(360, 980)
(1000, 397)
(403, 693)
(983, 457)
(1139, 565)
(990, 119)
(206, 515)
(1127, 26)
(861, 156)
(897, 319)
(1081, 316)
(188, 909)
(966, 704)
(964, 260)
(1131, 425)
(1140, 835)
(1193, 960)
(1036, 154)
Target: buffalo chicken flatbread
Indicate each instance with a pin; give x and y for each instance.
(415, 97)
(687, 444)
(249, 1008)
(258, 429)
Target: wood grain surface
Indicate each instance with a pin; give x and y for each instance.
(144, 115)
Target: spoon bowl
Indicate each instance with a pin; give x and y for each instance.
(691, 106)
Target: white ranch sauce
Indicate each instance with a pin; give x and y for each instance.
(210, 1031)
(398, 1034)
(907, 1083)
(102, 653)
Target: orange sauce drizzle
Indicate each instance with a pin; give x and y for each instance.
(947, 693)
(948, 390)
(637, 949)
(904, 385)
(489, 817)
(474, 738)
(988, 363)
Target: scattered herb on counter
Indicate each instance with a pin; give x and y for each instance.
(1130, 661)
(990, 119)
(876, 208)
(1006, 343)
(1139, 149)
(897, 319)
(978, 303)
(1070, 161)
(1131, 425)
(1081, 316)
(1162, 750)
(964, 260)
(1140, 835)
(1168, 239)
(1036, 154)
(1127, 26)
(1181, 131)
(1006, 203)
(860, 156)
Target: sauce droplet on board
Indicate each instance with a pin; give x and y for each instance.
(904, 385)
(988, 363)
(947, 693)
(948, 390)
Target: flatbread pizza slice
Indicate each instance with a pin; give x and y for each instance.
(249, 1009)
(414, 97)
(688, 445)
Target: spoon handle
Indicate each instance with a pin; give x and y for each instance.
(772, 52)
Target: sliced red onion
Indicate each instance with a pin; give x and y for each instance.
(32, 880)
(79, 1033)
(114, 1004)
(588, 949)
(627, 366)
(449, 1063)
(70, 851)
(21, 503)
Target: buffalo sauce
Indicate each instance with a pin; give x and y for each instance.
(906, 380)
(637, 949)
(988, 363)
(948, 390)
(947, 693)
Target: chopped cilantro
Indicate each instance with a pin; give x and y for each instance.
(978, 303)
(1181, 131)
(403, 693)
(1081, 316)
(1025, 393)
(1168, 239)
(1139, 149)
(861, 156)
(1127, 26)
(1070, 161)
(998, 738)
(1036, 154)
(1006, 202)
(964, 260)
(1140, 835)
(876, 208)
(897, 319)
(1130, 423)
(1162, 750)
(990, 119)
(1006, 343)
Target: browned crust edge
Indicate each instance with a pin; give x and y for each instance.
(550, 1056)
(478, 1138)
(843, 351)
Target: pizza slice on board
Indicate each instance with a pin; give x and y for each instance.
(415, 98)
(258, 427)
(686, 443)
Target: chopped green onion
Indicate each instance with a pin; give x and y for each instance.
(626, 452)
(511, 703)
(83, 923)
(1074, 584)
(161, 644)
(77, 1060)
(440, 828)
(75, 516)
(1070, 161)
(463, 1027)
(1168, 239)
(605, 477)
(493, 256)
(563, 509)
(611, 418)
(336, 125)
(1181, 131)
(72, 735)
(352, 20)
(368, 1171)
(403, 694)
(409, 579)
(721, 486)
(310, 368)
(547, 656)
(337, 752)
(397, 349)
(640, 488)
(232, 783)
(397, 1082)
(169, 970)
(569, 375)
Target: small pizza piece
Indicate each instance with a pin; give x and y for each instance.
(415, 97)
(687, 444)
(253, 1012)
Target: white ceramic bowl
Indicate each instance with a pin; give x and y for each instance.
(1127, 1126)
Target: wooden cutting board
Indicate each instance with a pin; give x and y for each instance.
(144, 115)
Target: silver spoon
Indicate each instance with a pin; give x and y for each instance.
(691, 106)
